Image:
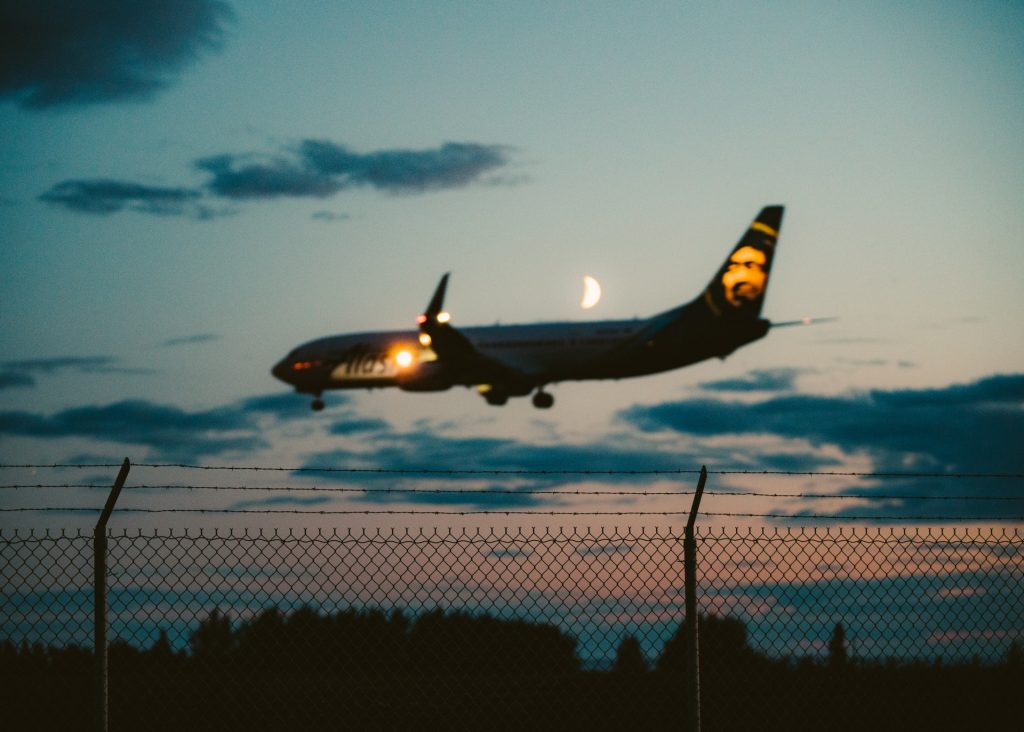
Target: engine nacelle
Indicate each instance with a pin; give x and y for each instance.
(428, 376)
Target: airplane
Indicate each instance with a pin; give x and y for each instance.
(504, 361)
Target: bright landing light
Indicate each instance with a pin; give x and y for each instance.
(591, 292)
(403, 359)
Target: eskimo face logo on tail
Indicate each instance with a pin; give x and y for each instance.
(744, 277)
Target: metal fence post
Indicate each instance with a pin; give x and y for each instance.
(692, 651)
(99, 553)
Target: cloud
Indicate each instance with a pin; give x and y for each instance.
(169, 432)
(320, 168)
(314, 169)
(962, 428)
(81, 364)
(870, 362)
(92, 458)
(49, 365)
(330, 216)
(356, 425)
(192, 339)
(235, 177)
(453, 165)
(783, 379)
(412, 451)
(934, 422)
(15, 379)
(63, 53)
(283, 406)
(20, 373)
(104, 197)
(417, 451)
(281, 501)
(526, 466)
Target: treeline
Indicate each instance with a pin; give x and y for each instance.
(374, 643)
(371, 670)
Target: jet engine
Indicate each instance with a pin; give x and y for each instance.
(427, 376)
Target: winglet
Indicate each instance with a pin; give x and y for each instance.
(437, 301)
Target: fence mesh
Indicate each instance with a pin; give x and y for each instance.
(516, 629)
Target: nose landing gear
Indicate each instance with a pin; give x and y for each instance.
(317, 405)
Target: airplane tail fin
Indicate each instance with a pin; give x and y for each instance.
(737, 289)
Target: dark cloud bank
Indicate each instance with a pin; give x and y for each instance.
(191, 340)
(63, 53)
(168, 432)
(960, 428)
(15, 379)
(313, 169)
(15, 374)
(964, 428)
(757, 380)
(67, 53)
(60, 363)
(23, 373)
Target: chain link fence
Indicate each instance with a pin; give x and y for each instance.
(516, 629)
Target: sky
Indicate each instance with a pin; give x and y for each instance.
(189, 189)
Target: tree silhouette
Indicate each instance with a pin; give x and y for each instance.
(466, 644)
(837, 657)
(161, 648)
(213, 638)
(1015, 656)
(364, 669)
(722, 643)
(629, 659)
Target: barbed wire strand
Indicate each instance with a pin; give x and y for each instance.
(512, 491)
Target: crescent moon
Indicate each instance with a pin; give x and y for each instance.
(591, 292)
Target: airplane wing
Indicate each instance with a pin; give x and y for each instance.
(457, 353)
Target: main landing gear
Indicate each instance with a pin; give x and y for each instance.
(543, 400)
(317, 405)
(499, 396)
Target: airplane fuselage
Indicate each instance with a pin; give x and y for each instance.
(544, 353)
(513, 360)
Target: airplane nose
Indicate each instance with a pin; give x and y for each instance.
(281, 370)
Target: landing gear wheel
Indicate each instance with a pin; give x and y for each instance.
(317, 405)
(543, 400)
(496, 400)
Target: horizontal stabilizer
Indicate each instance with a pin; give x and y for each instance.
(803, 321)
